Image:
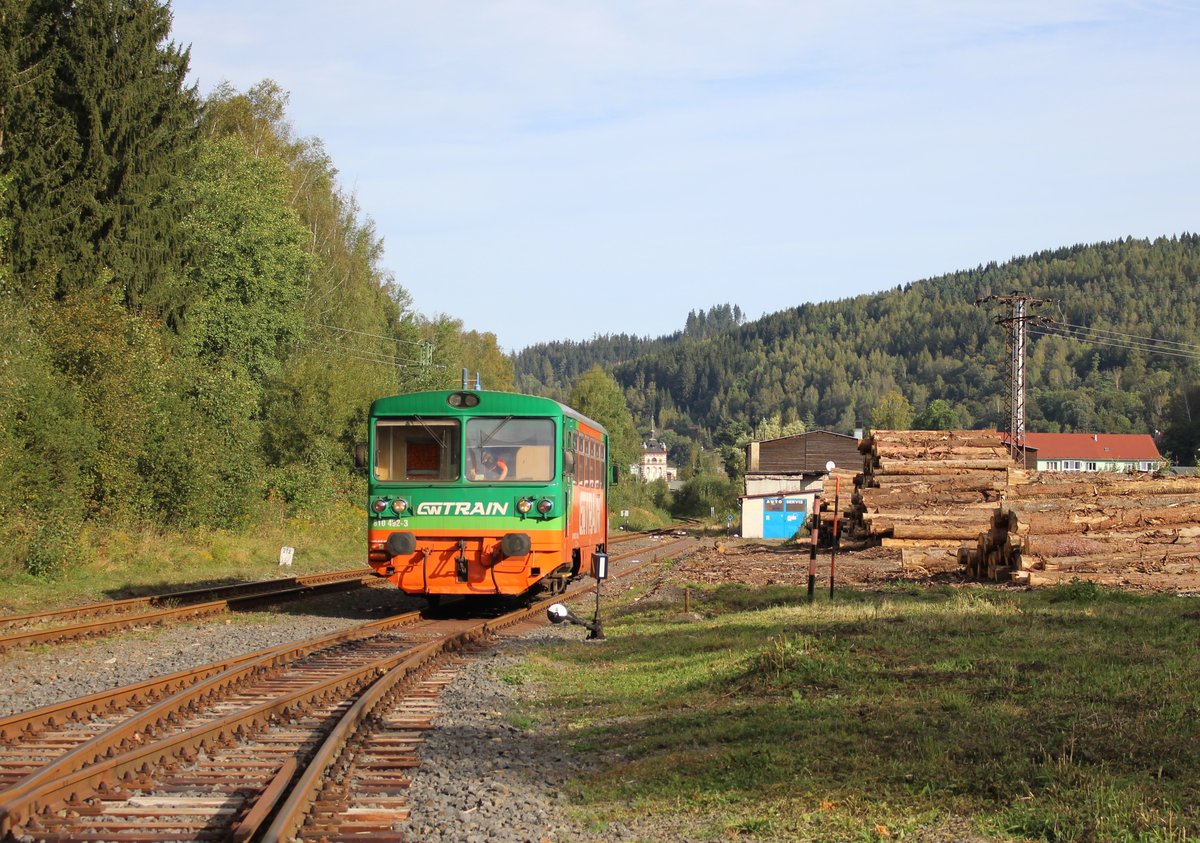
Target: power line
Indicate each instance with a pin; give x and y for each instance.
(364, 352)
(1183, 345)
(370, 356)
(1114, 344)
(355, 354)
(1129, 342)
(372, 336)
(424, 361)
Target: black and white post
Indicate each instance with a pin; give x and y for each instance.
(600, 569)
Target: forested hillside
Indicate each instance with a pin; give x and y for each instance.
(551, 368)
(193, 314)
(831, 365)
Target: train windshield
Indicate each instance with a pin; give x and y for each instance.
(510, 450)
(417, 449)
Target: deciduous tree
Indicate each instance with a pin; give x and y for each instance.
(892, 413)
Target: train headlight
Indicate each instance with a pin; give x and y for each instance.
(399, 505)
(545, 505)
(515, 544)
(380, 505)
(524, 505)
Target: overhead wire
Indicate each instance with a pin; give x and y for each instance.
(372, 336)
(348, 355)
(361, 354)
(366, 355)
(379, 355)
(1117, 339)
(1122, 335)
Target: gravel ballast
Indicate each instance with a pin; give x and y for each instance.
(48, 674)
(484, 779)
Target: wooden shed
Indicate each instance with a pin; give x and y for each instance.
(785, 475)
(803, 453)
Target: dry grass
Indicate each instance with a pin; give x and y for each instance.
(114, 563)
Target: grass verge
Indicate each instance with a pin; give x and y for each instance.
(113, 563)
(1068, 714)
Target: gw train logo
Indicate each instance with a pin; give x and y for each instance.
(462, 508)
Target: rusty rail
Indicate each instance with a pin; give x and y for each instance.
(299, 803)
(128, 612)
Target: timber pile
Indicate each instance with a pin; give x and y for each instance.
(838, 489)
(927, 492)
(1137, 530)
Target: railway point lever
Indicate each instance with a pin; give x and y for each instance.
(558, 613)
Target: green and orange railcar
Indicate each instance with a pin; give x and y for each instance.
(473, 492)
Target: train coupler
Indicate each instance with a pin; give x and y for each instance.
(460, 564)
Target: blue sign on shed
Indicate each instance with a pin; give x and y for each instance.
(783, 516)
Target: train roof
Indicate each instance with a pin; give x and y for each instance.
(490, 404)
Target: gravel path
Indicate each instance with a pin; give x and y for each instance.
(482, 778)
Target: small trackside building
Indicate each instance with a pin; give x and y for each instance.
(785, 476)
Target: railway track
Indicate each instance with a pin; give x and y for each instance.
(76, 623)
(211, 754)
(95, 619)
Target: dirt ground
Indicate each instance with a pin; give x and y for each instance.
(759, 562)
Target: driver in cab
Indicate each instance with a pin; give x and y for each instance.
(494, 468)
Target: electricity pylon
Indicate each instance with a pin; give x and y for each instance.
(1016, 337)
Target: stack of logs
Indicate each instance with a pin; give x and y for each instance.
(928, 492)
(997, 551)
(1112, 529)
(954, 500)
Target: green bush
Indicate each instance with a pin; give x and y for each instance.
(52, 546)
(702, 495)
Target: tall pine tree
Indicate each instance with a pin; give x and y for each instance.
(97, 125)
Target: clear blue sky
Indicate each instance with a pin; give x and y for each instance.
(554, 169)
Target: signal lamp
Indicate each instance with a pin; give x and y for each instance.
(380, 505)
(462, 399)
(545, 505)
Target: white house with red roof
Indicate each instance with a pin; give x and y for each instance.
(1092, 452)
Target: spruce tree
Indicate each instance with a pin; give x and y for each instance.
(98, 125)
(38, 145)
